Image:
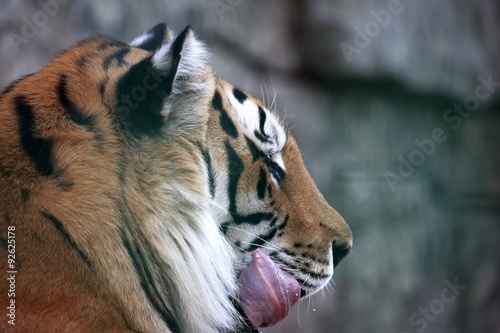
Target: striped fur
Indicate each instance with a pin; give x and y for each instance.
(138, 183)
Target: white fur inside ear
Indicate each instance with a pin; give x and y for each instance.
(192, 67)
(140, 40)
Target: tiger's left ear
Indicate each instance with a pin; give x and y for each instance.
(154, 38)
(169, 89)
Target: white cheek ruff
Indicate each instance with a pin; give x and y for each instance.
(199, 258)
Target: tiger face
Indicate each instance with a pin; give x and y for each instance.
(272, 203)
(166, 199)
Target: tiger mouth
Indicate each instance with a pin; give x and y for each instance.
(266, 291)
(310, 281)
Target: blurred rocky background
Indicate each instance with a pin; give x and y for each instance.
(395, 105)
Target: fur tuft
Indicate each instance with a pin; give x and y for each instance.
(193, 63)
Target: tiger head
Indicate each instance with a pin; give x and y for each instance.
(157, 191)
(268, 199)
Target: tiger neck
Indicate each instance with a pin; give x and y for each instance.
(188, 268)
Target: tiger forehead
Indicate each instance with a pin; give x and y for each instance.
(258, 121)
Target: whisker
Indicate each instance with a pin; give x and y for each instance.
(286, 110)
(301, 261)
(216, 205)
(261, 246)
(254, 235)
(267, 93)
(263, 96)
(273, 87)
(271, 246)
(298, 313)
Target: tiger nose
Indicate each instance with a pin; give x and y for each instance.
(340, 250)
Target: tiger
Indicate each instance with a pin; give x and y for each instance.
(142, 193)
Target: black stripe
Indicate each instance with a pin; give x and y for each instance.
(62, 180)
(261, 137)
(148, 284)
(240, 95)
(256, 153)
(253, 219)
(83, 60)
(139, 253)
(62, 230)
(273, 221)
(314, 258)
(225, 121)
(289, 253)
(109, 42)
(4, 172)
(177, 46)
(118, 55)
(235, 168)
(304, 283)
(274, 169)
(71, 109)
(262, 121)
(269, 190)
(211, 180)
(64, 184)
(295, 266)
(318, 276)
(282, 225)
(25, 194)
(102, 87)
(3, 242)
(38, 149)
(262, 184)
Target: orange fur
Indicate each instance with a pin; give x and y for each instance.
(74, 271)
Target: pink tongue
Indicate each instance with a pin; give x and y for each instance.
(266, 292)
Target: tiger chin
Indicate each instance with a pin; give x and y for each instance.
(148, 195)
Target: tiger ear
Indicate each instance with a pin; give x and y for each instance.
(170, 87)
(154, 38)
(186, 61)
